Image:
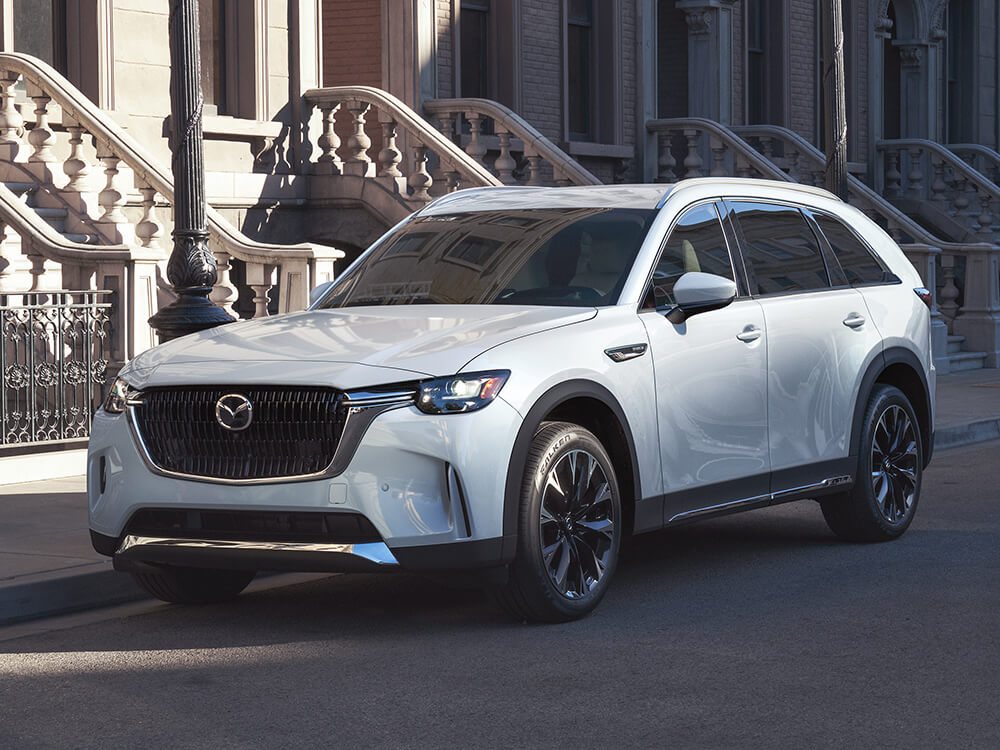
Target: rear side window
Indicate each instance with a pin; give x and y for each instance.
(696, 243)
(860, 266)
(780, 250)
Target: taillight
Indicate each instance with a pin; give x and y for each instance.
(925, 296)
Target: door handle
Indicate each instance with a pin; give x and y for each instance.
(854, 320)
(748, 334)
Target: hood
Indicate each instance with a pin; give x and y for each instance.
(345, 348)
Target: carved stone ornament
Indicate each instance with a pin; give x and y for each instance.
(911, 55)
(698, 21)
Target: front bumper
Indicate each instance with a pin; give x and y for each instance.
(432, 487)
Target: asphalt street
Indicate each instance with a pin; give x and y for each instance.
(758, 630)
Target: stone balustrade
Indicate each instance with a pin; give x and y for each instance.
(930, 180)
(500, 140)
(983, 159)
(106, 190)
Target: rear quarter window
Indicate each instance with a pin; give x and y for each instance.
(859, 264)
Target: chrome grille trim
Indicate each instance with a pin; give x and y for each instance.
(373, 552)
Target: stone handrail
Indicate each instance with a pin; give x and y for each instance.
(917, 169)
(309, 263)
(351, 158)
(514, 134)
(981, 158)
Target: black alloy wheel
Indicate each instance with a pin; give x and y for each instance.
(569, 528)
(883, 500)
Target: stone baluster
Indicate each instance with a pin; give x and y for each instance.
(938, 185)
(6, 263)
(534, 169)
(476, 148)
(420, 180)
(224, 293)
(985, 217)
(892, 173)
(915, 177)
(505, 163)
(743, 168)
(666, 162)
(960, 200)
(111, 199)
(149, 230)
(718, 159)
(447, 125)
(390, 156)
(819, 178)
(75, 167)
(357, 144)
(453, 179)
(948, 297)
(259, 279)
(766, 146)
(329, 142)
(11, 122)
(792, 160)
(37, 271)
(560, 179)
(692, 162)
(42, 138)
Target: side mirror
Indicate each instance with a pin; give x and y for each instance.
(697, 292)
(319, 292)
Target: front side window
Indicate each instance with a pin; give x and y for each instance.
(857, 261)
(780, 250)
(577, 257)
(697, 243)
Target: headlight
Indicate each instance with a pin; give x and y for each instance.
(119, 395)
(460, 393)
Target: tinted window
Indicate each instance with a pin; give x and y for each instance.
(696, 243)
(575, 257)
(780, 249)
(858, 263)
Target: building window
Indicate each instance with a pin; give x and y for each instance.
(474, 48)
(212, 26)
(961, 77)
(40, 30)
(579, 61)
(756, 26)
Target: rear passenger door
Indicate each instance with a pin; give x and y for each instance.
(818, 339)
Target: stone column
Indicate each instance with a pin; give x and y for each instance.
(710, 58)
(918, 89)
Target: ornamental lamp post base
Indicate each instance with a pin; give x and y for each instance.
(191, 312)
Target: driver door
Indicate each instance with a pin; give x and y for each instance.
(710, 375)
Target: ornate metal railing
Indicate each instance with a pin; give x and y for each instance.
(54, 352)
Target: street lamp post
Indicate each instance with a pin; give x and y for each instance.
(191, 270)
(834, 98)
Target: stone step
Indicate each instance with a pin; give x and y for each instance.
(967, 361)
(955, 344)
(93, 239)
(56, 217)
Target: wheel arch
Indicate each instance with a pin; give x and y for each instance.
(901, 368)
(593, 407)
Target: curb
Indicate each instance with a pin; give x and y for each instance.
(967, 434)
(57, 596)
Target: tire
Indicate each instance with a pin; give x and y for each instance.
(179, 585)
(567, 546)
(884, 498)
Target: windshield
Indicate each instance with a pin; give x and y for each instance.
(554, 256)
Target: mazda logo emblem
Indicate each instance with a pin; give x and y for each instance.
(234, 412)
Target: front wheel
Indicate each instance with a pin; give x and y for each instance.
(569, 528)
(180, 585)
(884, 498)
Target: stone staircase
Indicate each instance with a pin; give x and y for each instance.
(960, 358)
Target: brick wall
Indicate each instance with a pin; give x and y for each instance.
(541, 66)
(803, 54)
(352, 43)
(739, 56)
(444, 13)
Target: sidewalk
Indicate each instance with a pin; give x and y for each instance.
(48, 567)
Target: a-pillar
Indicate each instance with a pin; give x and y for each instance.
(710, 58)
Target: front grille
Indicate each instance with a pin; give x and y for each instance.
(253, 526)
(294, 431)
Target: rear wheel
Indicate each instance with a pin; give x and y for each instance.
(569, 528)
(884, 498)
(192, 585)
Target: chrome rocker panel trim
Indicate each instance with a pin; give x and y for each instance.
(763, 500)
(362, 409)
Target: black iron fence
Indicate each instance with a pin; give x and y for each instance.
(54, 349)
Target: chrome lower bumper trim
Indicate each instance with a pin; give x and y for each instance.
(376, 553)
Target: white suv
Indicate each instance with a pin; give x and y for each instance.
(513, 379)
